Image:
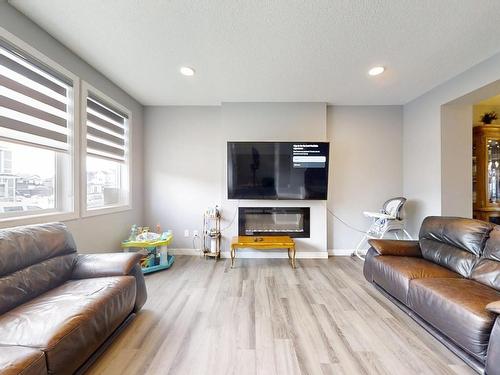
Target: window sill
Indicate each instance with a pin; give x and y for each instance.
(105, 210)
(7, 222)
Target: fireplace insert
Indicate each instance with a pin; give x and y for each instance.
(274, 221)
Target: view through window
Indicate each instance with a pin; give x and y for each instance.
(103, 182)
(27, 179)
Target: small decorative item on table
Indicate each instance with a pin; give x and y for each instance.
(154, 247)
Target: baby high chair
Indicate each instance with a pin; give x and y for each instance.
(388, 220)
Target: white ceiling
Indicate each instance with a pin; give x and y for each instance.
(281, 50)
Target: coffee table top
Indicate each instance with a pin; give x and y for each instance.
(263, 242)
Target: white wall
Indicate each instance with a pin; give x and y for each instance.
(100, 233)
(366, 166)
(182, 167)
(186, 162)
(423, 157)
(456, 160)
(276, 122)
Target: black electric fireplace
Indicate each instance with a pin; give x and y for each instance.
(274, 221)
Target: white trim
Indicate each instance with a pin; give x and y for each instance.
(73, 104)
(342, 252)
(278, 254)
(190, 252)
(247, 254)
(106, 210)
(76, 151)
(37, 219)
(85, 212)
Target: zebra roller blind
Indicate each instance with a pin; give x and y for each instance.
(106, 130)
(34, 101)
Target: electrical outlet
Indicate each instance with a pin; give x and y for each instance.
(186, 232)
(195, 233)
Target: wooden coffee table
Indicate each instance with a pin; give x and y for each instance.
(263, 243)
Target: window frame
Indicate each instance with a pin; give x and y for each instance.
(59, 213)
(85, 88)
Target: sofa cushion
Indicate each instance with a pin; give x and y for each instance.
(456, 307)
(18, 360)
(454, 243)
(33, 260)
(402, 248)
(487, 270)
(23, 285)
(71, 321)
(21, 247)
(393, 273)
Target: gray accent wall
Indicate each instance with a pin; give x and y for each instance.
(366, 156)
(104, 232)
(183, 161)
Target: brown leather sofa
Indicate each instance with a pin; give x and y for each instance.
(58, 309)
(449, 282)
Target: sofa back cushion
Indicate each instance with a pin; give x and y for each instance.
(454, 243)
(487, 270)
(33, 260)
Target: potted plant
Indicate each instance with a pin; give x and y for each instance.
(489, 117)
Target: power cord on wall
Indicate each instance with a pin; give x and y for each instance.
(344, 222)
(232, 220)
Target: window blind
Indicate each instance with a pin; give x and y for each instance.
(33, 101)
(106, 130)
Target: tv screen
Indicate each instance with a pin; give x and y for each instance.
(277, 170)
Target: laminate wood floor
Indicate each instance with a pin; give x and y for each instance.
(262, 317)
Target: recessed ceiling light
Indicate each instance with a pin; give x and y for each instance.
(376, 70)
(187, 71)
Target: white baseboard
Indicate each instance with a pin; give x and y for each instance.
(191, 252)
(343, 252)
(273, 254)
(340, 252)
(268, 254)
(257, 254)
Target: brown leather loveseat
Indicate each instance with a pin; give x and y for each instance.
(60, 309)
(449, 282)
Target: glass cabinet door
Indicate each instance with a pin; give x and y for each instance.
(493, 171)
(474, 175)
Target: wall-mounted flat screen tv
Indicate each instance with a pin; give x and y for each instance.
(277, 170)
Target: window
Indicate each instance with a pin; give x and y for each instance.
(36, 135)
(30, 184)
(106, 153)
(103, 183)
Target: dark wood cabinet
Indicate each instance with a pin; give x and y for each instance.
(486, 172)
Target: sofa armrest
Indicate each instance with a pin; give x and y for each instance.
(493, 353)
(100, 265)
(494, 307)
(396, 247)
(113, 264)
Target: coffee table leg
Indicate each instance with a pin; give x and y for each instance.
(233, 255)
